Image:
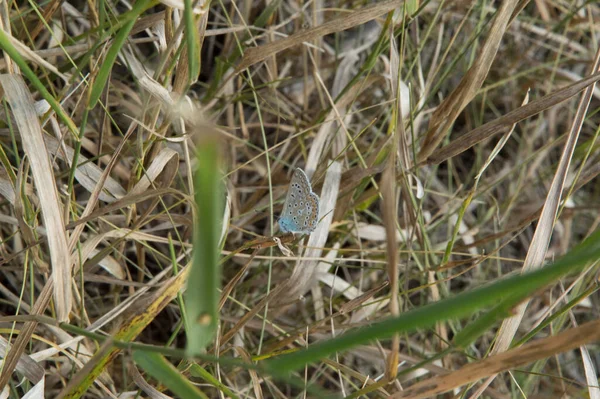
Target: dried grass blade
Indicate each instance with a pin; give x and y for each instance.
(448, 111)
(22, 104)
(496, 126)
(160, 173)
(7, 190)
(37, 391)
(49, 11)
(233, 282)
(31, 56)
(359, 17)
(399, 150)
(590, 373)
(253, 375)
(146, 82)
(588, 364)
(87, 174)
(11, 360)
(390, 218)
(351, 305)
(25, 365)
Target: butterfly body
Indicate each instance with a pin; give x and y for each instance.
(301, 208)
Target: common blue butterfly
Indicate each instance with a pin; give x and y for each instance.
(301, 208)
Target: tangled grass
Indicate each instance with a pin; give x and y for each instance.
(146, 154)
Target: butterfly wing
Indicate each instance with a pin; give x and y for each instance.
(312, 214)
(301, 207)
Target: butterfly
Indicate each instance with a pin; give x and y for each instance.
(301, 208)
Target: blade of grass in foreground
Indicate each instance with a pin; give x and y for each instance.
(462, 305)
(156, 365)
(201, 297)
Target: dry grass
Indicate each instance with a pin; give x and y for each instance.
(451, 144)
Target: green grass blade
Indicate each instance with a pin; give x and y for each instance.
(192, 41)
(202, 291)
(198, 371)
(118, 42)
(158, 367)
